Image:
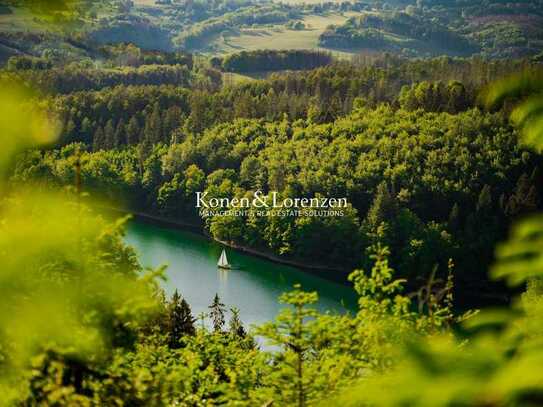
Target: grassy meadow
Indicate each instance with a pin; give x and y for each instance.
(279, 37)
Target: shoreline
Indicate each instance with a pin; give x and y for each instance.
(317, 269)
(276, 259)
(327, 273)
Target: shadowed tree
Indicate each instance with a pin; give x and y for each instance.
(132, 131)
(109, 135)
(98, 142)
(180, 321)
(153, 126)
(120, 139)
(217, 314)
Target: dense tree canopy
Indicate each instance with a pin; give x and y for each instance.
(433, 177)
(445, 185)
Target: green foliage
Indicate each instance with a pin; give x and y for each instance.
(291, 331)
(81, 324)
(72, 292)
(18, 132)
(495, 359)
(527, 114)
(235, 326)
(494, 362)
(377, 289)
(123, 352)
(180, 320)
(245, 16)
(435, 97)
(76, 78)
(416, 166)
(216, 314)
(409, 33)
(267, 60)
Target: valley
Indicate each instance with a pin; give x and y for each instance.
(344, 28)
(362, 181)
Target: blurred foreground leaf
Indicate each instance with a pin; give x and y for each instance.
(521, 257)
(67, 283)
(23, 123)
(69, 286)
(528, 113)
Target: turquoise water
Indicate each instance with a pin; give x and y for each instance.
(253, 285)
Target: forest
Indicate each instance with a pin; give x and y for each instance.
(265, 60)
(424, 157)
(118, 341)
(439, 160)
(422, 35)
(422, 28)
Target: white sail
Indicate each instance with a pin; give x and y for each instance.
(223, 261)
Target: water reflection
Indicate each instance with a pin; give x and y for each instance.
(253, 285)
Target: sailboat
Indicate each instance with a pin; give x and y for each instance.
(223, 261)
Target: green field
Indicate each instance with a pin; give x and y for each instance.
(277, 37)
(145, 3)
(20, 18)
(307, 1)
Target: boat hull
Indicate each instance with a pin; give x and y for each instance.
(224, 267)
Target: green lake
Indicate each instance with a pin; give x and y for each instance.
(253, 284)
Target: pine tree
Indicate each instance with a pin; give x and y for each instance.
(98, 142)
(188, 319)
(86, 128)
(180, 320)
(217, 314)
(120, 138)
(295, 334)
(109, 135)
(199, 118)
(235, 327)
(133, 131)
(172, 120)
(69, 128)
(244, 106)
(153, 126)
(454, 216)
(524, 197)
(485, 198)
(383, 208)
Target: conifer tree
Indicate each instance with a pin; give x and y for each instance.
(109, 135)
(217, 314)
(180, 321)
(524, 197)
(120, 138)
(98, 142)
(69, 128)
(383, 208)
(171, 120)
(188, 319)
(485, 198)
(153, 126)
(293, 331)
(235, 326)
(86, 128)
(133, 131)
(454, 216)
